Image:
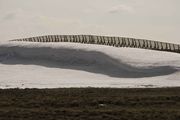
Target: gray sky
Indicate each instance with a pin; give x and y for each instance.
(148, 19)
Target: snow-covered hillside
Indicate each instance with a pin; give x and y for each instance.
(49, 65)
(52, 65)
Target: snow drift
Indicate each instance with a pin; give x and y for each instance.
(78, 59)
(117, 63)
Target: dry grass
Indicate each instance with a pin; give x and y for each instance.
(90, 104)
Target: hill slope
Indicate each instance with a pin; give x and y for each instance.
(52, 65)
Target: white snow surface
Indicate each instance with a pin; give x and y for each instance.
(59, 65)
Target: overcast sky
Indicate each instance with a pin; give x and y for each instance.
(148, 19)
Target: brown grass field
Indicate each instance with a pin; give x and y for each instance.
(90, 104)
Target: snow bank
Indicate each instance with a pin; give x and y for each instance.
(43, 65)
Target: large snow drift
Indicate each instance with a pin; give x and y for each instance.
(49, 65)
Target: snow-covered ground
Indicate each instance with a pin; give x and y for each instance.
(77, 65)
(53, 65)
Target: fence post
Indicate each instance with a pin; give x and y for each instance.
(179, 48)
(139, 44)
(123, 42)
(119, 41)
(161, 46)
(157, 46)
(169, 47)
(48, 40)
(91, 41)
(135, 43)
(174, 47)
(101, 40)
(51, 39)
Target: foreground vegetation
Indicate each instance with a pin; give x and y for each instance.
(90, 104)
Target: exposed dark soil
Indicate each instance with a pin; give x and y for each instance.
(90, 104)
